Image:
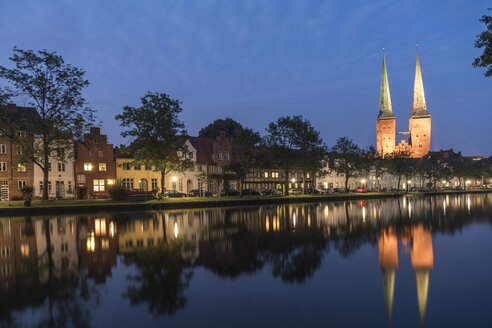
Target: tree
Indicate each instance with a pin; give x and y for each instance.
(156, 132)
(401, 165)
(295, 144)
(378, 162)
(484, 40)
(350, 158)
(433, 169)
(228, 125)
(54, 89)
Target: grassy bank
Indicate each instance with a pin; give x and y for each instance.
(73, 206)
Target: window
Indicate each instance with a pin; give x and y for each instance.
(420, 144)
(91, 153)
(226, 156)
(105, 243)
(69, 185)
(80, 178)
(87, 166)
(154, 183)
(49, 187)
(49, 167)
(3, 166)
(148, 167)
(19, 149)
(5, 252)
(102, 166)
(274, 174)
(266, 174)
(219, 156)
(98, 184)
(100, 153)
(25, 249)
(40, 187)
(137, 167)
(21, 184)
(61, 167)
(126, 166)
(307, 175)
(190, 155)
(21, 168)
(110, 182)
(6, 269)
(140, 243)
(128, 183)
(21, 134)
(3, 149)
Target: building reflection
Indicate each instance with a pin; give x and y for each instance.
(291, 239)
(422, 259)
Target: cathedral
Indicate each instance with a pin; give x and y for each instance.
(419, 125)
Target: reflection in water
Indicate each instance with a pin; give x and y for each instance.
(63, 259)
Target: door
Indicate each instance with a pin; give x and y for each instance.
(143, 185)
(60, 189)
(82, 193)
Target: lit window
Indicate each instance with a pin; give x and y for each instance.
(80, 178)
(102, 166)
(98, 184)
(3, 149)
(105, 243)
(21, 168)
(25, 249)
(87, 166)
(3, 166)
(110, 182)
(266, 174)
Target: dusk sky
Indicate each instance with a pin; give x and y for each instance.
(254, 61)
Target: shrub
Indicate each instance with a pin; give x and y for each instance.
(118, 191)
(27, 193)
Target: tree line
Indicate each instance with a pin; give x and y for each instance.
(291, 143)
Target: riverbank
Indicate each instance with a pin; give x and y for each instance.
(16, 208)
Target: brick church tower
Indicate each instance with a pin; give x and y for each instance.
(386, 123)
(419, 125)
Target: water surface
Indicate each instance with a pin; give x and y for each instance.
(400, 262)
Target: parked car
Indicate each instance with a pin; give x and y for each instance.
(196, 193)
(174, 194)
(311, 191)
(327, 191)
(338, 190)
(230, 192)
(295, 191)
(140, 195)
(361, 189)
(271, 192)
(250, 192)
(424, 189)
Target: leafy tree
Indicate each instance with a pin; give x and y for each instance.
(378, 162)
(54, 89)
(155, 130)
(243, 158)
(228, 125)
(295, 144)
(350, 159)
(401, 165)
(433, 169)
(484, 40)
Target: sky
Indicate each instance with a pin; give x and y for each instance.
(257, 60)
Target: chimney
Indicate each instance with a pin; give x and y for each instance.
(95, 130)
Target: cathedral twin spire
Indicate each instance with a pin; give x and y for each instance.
(418, 107)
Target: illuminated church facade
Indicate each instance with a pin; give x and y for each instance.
(419, 125)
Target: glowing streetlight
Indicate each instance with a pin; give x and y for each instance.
(174, 179)
(468, 181)
(293, 180)
(363, 181)
(409, 181)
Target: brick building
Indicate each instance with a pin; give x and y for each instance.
(419, 125)
(95, 170)
(14, 175)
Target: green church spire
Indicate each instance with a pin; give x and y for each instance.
(385, 109)
(418, 107)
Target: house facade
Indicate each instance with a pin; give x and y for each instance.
(95, 170)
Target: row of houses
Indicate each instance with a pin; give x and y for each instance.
(95, 165)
